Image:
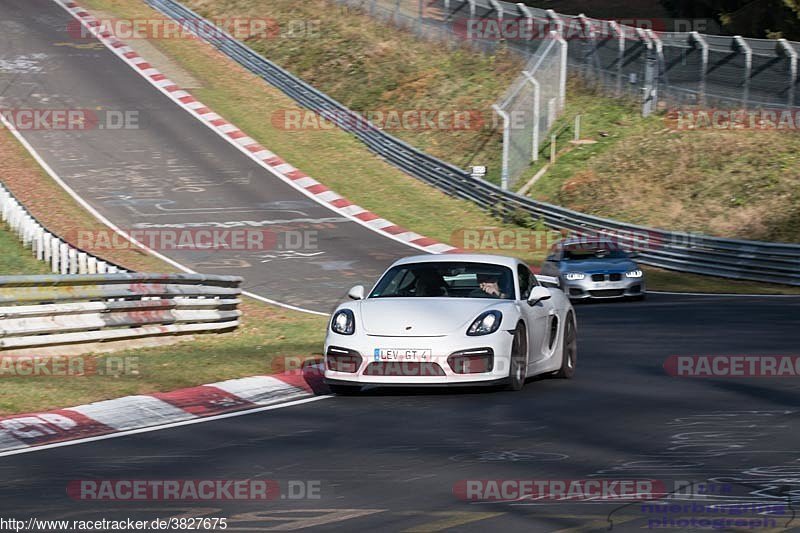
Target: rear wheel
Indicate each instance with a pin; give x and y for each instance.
(344, 390)
(518, 366)
(569, 349)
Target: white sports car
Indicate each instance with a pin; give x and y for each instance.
(451, 320)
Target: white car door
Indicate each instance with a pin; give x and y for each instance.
(538, 318)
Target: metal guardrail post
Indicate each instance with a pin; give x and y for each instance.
(741, 46)
(784, 48)
(697, 40)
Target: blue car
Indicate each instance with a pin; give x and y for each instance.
(595, 268)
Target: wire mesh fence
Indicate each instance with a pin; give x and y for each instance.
(673, 68)
(530, 107)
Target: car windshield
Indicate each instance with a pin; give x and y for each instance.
(446, 279)
(582, 251)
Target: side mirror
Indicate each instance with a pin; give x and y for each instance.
(551, 257)
(538, 294)
(356, 293)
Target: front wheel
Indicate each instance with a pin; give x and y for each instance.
(518, 366)
(569, 349)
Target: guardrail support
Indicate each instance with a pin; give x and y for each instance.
(741, 46)
(784, 48)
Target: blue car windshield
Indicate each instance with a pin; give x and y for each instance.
(580, 253)
(446, 279)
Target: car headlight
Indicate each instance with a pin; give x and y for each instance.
(486, 323)
(343, 322)
(574, 276)
(634, 274)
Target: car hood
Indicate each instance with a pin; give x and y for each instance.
(421, 317)
(598, 266)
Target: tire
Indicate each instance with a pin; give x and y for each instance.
(518, 365)
(344, 390)
(569, 349)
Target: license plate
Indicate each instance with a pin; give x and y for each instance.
(402, 354)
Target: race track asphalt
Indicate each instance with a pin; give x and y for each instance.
(388, 460)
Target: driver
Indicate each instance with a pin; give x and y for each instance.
(488, 287)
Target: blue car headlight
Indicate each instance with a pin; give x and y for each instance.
(343, 322)
(634, 274)
(486, 323)
(574, 276)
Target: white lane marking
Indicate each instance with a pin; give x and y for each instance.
(131, 412)
(163, 426)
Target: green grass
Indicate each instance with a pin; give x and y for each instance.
(17, 260)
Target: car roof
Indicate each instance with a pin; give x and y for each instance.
(503, 260)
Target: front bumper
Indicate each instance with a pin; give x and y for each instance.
(429, 370)
(585, 289)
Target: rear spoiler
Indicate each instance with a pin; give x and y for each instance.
(548, 281)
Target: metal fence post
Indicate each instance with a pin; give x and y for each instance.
(562, 89)
(784, 48)
(589, 44)
(537, 110)
(649, 73)
(741, 46)
(498, 8)
(697, 40)
(471, 8)
(506, 145)
(658, 48)
(554, 17)
(617, 30)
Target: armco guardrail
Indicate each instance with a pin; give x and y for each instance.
(729, 258)
(55, 310)
(62, 257)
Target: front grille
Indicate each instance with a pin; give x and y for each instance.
(598, 277)
(607, 293)
(615, 277)
(406, 368)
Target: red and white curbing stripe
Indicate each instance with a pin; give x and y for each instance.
(21, 432)
(277, 166)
